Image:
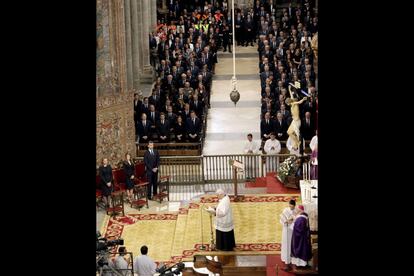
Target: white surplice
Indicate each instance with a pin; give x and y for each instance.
(224, 215)
(286, 214)
(314, 142)
(252, 162)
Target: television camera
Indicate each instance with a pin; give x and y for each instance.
(102, 254)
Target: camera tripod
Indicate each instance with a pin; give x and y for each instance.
(103, 257)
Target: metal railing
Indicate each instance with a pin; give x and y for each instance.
(216, 168)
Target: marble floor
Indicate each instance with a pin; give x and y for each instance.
(228, 125)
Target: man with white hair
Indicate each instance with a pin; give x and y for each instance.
(224, 223)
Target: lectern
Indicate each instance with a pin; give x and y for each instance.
(237, 166)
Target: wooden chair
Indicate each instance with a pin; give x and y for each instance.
(117, 204)
(164, 189)
(119, 179)
(140, 172)
(140, 198)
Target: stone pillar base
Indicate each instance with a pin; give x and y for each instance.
(147, 74)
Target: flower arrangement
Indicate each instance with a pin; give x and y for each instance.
(288, 167)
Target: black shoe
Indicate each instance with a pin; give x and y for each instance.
(224, 51)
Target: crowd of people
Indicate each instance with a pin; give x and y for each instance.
(183, 49)
(286, 65)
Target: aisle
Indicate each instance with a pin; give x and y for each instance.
(228, 126)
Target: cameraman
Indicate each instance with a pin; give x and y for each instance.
(143, 265)
(122, 261)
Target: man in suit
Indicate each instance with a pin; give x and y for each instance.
(153, 117)
(307, 127)
(152, 162)
(171, 117)
(186, 112)
(155, 99)
(193, 127)
(265, 74)
(144, 129)
(197, 106)
(280, 127)
(163, 129)
(266, 126)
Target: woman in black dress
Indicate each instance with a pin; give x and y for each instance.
(179, 130)
(105, 172)
(129, 169)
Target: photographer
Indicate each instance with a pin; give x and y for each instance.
(122, 261)
(144, 265)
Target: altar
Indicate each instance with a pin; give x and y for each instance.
(309, 196)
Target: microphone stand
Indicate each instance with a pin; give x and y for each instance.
(202, 247)
(212, 244)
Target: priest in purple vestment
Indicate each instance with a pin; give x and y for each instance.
(301, 251)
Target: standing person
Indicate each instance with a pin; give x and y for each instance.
(251, 147)
(314, 164)
(271, 147)
(224, 223)
(301, 239)
(105, 172)
(122, 261)
(286, 219)
(144, 265)
(129, 169)
(152, 162)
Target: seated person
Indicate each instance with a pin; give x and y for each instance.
(180, 131)
(193, 127)
(163, 129)
(144, 129)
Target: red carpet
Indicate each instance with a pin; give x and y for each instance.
(260, 182)
(273, 185)
(271, 262)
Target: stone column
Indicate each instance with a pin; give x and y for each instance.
(118, 23)
(153, 14)
(128, 44)
(135, 37)
(144, 52)
(145, 36)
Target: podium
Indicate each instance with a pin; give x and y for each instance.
(237, 167)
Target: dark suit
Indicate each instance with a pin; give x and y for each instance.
(129, 170)
(180, 130)
(155, 119)
(163, 130)
(193, 128)
(144, 131)
(152, 161)
(137, 107)
(280, 130)
(185, 116)
(106, 176)
(266, 128)
(307, 131)
(199, 108)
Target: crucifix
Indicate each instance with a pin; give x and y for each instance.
(237, 167)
